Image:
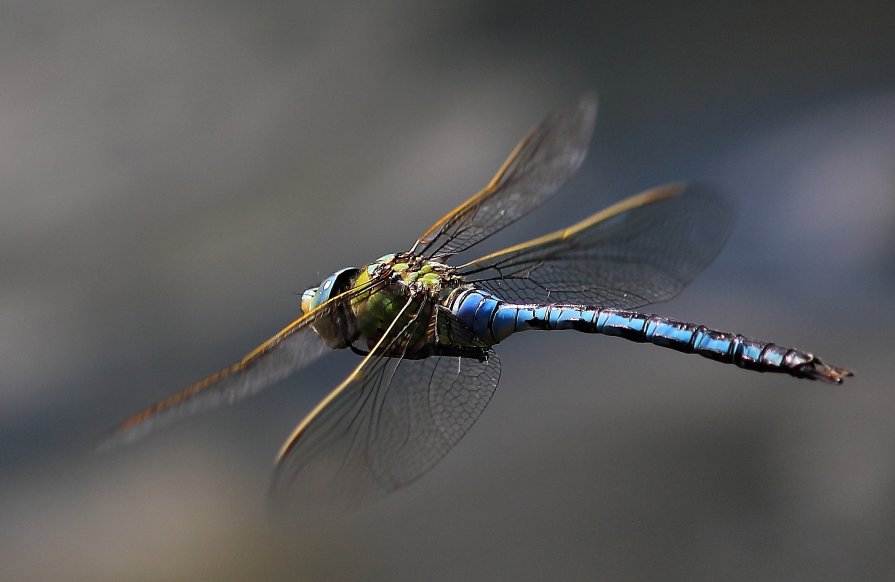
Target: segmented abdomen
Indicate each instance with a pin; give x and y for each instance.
(494, 320)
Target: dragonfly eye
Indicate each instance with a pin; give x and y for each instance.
(330, 287)
(306, 299)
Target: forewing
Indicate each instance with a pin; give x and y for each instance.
(538, 166)
(387, 424)
(291, 349)
(641, 250)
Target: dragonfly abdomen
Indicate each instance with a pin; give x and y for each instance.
(494, 320)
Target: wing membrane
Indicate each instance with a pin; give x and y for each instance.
(387, 424)
(291, 349)
(538, 166)
(642, 250)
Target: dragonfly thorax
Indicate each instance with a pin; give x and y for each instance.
(406, 270)
(416, 274)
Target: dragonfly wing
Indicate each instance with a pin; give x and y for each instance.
(387, 424)
(641, 250)
(291, 349)
(538, 166)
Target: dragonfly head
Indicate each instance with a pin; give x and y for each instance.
(336, 283)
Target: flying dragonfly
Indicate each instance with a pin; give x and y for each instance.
(425, 330)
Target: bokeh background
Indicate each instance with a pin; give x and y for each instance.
(170, 173)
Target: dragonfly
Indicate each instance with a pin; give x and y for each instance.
(425, 329)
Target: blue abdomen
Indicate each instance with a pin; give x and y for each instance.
(493, 320)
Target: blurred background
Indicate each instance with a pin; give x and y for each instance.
(173, 172)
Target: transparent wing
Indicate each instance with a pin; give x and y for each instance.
(387, 424)
(641, 250)
(291, 349)
(538, 166)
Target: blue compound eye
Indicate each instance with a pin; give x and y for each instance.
(330, 287)
(306, 298)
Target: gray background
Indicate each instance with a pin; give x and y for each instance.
(171, 172)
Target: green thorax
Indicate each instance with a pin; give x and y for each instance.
(393, 290)
(412, 287)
